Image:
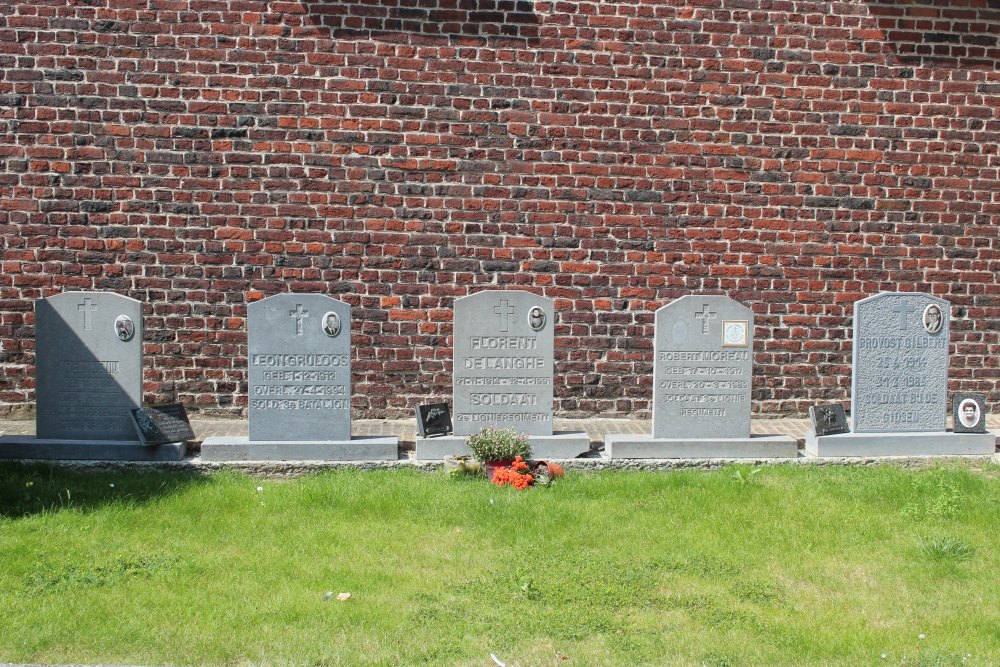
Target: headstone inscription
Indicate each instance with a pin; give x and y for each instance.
(88, 350)
(504, 349)
(899, 377)
(299, 403)
(88, 363)
(702, 376)
(504, 352)
(703, 368)
(299, 368)
(899, 384)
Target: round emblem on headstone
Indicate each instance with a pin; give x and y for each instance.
(331, 324)
(124, 328)
(933, 318)
(536, 318)
(680, 331)
(968, 413)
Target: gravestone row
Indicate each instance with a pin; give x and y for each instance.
(89, 384)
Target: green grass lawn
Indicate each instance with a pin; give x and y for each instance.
(790, 565)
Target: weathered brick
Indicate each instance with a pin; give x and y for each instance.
(798, 164)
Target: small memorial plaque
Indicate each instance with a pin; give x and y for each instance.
(504, 350)
(828, 419)
(300, 368)
(899, 378)
(702, 369)
(433, 419)
(969, 413)
(157, 425)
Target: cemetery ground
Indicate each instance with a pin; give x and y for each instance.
(786, 564)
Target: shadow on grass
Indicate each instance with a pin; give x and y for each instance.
(30, 489)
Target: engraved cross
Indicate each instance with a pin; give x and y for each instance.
(705, 315)
(88, 308)
(903, 308)
(298, 314)
(504, 310)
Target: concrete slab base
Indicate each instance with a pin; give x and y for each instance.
(618, 446)
(565, 445)
(923, 443)
(239, 448)
(30, 447)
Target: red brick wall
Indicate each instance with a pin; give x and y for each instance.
(397, 154)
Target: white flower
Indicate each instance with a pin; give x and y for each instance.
(885, 655)
(259, 489)
(111, 485)
(921, 636)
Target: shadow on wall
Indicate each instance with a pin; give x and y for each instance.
(941, 33)
(445, 21)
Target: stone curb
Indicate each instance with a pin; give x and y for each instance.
(594, 464)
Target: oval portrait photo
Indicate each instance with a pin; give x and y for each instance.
(968, 413)
(932, 318)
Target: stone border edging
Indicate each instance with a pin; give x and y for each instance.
(299, 468)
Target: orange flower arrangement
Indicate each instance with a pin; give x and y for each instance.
(515, 475)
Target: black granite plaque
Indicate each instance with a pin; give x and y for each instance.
(828, 419)
(969, 412)
(433, 419)
(160, 424)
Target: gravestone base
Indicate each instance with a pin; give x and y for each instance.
(240, 448)
(621, 446)
(30, 447)
(564, 445)
(923, 443)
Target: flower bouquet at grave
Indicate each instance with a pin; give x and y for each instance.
(498, 447)
(504, 454)
(498, 444)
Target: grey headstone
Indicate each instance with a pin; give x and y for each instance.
(703, 368)
(88, 359)
(504, 350)
(300, 368)
(899, 381)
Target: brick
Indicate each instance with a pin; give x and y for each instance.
(797, 163)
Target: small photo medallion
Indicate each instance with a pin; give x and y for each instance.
(536, 318)
(331, 324)
(735, 333)
(124, 328)
(969, 413)
(933, 319)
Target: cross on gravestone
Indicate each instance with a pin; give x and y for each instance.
(299, 384)
(705, 315)
(899, 379)
(503, 371)
(298, 314)
(88, 308)
(504, 310)
(903, 309)
(87, 377)
(701, 384)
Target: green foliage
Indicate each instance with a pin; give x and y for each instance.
(67, 574)
(946, 549)
(498, 444)
(810, 568)
(937, 494)
(744, 475)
